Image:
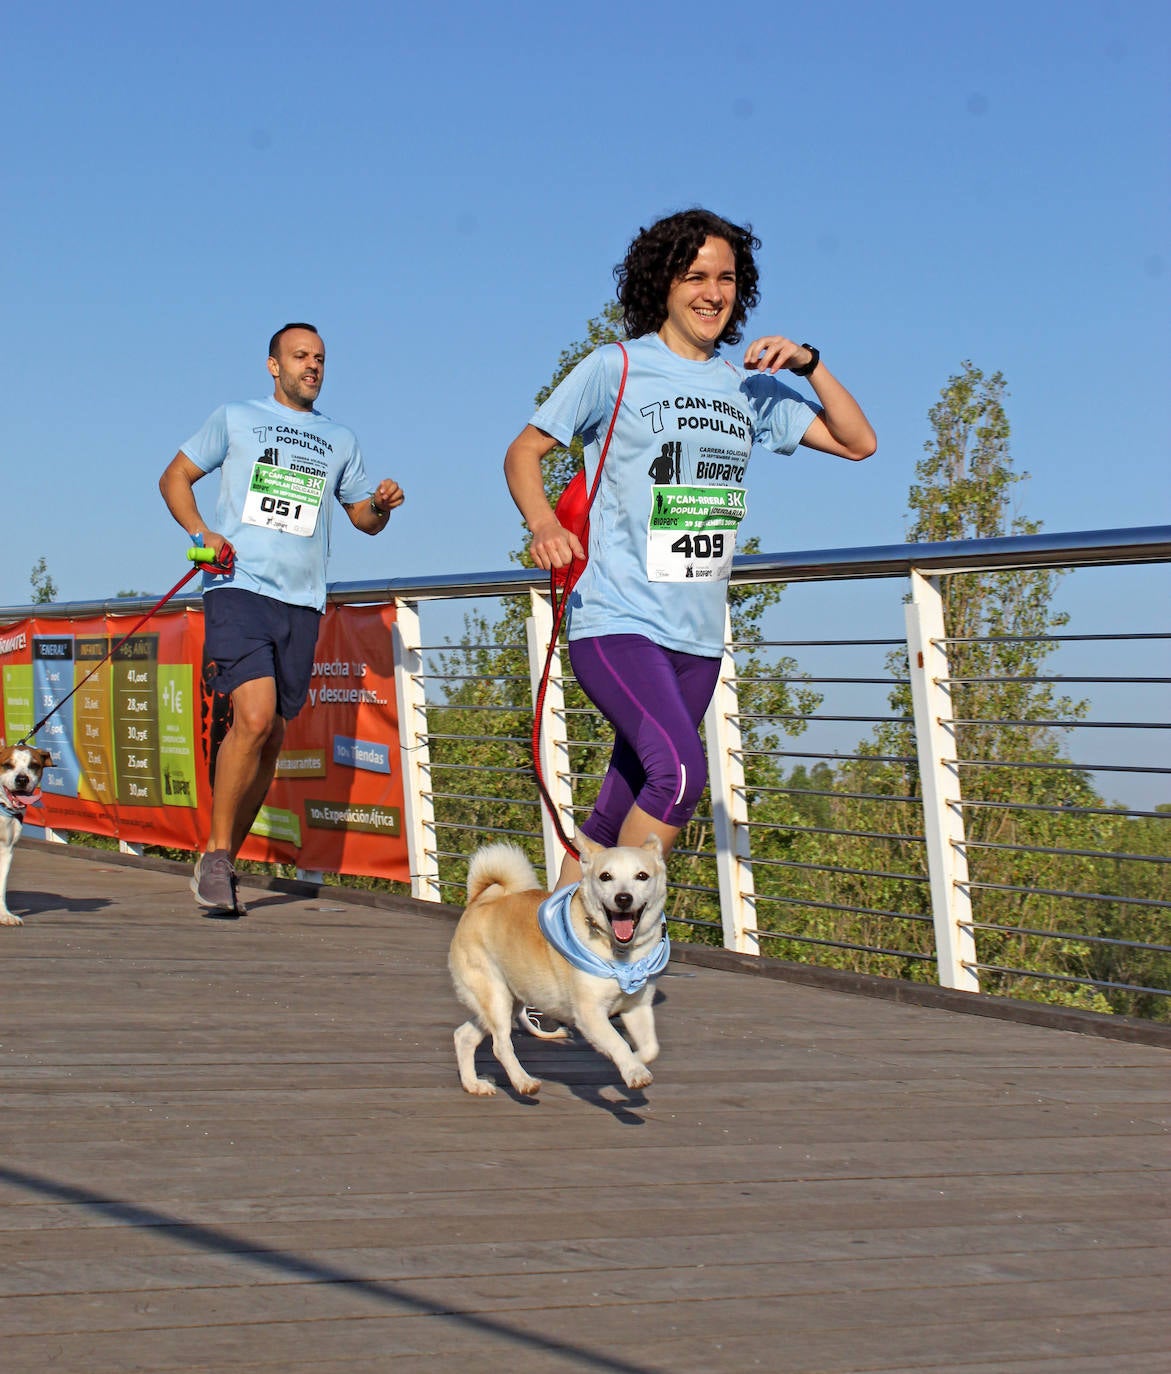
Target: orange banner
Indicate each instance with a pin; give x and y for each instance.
(134, 747)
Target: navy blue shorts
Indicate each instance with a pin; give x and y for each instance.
(248, 636)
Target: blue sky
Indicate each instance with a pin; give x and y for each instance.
(444, 190)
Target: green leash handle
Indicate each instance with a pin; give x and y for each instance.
(223, 565)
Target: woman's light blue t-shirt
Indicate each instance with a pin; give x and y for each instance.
(683, 425)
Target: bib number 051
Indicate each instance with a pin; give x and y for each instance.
(280, 499)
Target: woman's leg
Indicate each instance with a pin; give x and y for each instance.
(655, 698)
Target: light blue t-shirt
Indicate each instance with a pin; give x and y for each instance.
(663, 524)
(280, 471)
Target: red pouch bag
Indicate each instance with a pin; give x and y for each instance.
(573, 512)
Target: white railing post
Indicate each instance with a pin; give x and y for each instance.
(730, 808)
(415, 753)
(552, 731)
(943, 817)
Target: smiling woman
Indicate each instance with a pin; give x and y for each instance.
(668, 262)
(646, 618)
(701, 301)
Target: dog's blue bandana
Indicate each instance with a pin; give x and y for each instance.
(557, 928)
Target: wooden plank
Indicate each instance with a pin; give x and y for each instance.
(242, 1146)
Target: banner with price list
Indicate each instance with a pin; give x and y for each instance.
(134, 748)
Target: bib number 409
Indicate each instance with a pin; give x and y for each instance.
(699, 545)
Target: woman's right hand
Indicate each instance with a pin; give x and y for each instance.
(553, 546)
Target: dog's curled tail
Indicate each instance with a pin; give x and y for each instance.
(500, 865)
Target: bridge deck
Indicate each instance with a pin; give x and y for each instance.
(242, 1146)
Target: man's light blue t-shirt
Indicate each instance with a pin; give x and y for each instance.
(663, 524)
(280, 472)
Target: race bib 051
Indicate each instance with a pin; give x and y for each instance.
(282, 500)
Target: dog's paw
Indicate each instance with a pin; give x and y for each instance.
(8, 918)
(480, 1087)
(528, 1087)
(637, 1076)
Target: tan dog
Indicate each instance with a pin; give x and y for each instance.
(21, 767)
(501, 960)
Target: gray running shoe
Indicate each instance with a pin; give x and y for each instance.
(214, 883)
(241, 909)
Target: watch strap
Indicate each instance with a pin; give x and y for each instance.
(810, 365)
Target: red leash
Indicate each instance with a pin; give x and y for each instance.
(573, 512)
(205, 561)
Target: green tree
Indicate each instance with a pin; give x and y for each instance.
(44, 589)
(1035, 824)
(999, 626)
(998, 623)
(480, 749)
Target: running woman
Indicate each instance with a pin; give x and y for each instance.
(646, 618)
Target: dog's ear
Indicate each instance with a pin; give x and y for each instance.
(45, 757)
(587, 847)
(653, 842)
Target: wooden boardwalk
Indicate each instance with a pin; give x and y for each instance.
(243, 1147)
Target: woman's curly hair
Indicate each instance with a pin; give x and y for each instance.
(660, 255)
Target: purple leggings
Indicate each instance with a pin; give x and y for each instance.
(655, 699)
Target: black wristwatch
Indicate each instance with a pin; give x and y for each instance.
(810, 365)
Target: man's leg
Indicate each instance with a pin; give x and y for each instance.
(245, 764)
(244, 769)
(248, 812)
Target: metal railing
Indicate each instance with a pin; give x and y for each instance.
(896, 799)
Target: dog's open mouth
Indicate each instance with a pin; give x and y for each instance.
(624, 923)
(19, 800)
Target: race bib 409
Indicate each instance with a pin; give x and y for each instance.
(691, 534)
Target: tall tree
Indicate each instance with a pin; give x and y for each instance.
(43, 587)
(999, 623)
(480, 758)
(1029, 802)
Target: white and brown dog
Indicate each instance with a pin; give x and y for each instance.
(21, 767)
(582, 955)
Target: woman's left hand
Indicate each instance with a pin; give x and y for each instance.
(773, 352)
